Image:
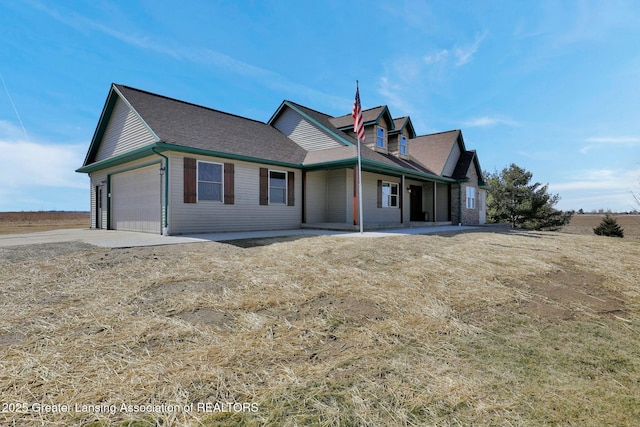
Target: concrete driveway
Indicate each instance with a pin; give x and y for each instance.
(128, 239)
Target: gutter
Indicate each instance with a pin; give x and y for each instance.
(165, 227)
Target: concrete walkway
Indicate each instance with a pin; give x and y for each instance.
(127, 239)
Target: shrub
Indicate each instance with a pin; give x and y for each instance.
(609, 227)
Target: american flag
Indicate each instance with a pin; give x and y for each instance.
(358, 125)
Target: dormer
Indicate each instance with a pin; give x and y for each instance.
(400, 136)
(377, 125)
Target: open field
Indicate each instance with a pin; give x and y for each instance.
(29, 222)
(584, 224)
(467, 329)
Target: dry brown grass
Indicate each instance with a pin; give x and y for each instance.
(469, 329)
(28, 222)
(584, 224)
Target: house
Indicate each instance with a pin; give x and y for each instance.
(162, 165)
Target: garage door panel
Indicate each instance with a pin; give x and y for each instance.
(136, 200)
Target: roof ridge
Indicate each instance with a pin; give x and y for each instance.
(439, 133)
(308, 108)
(187, 103)
(368, 109)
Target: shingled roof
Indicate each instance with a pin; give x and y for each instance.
(369, 116)
(190, 126)
(194, 126)
(433, 150)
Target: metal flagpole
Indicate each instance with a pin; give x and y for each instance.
(359, 172)
(360, 188)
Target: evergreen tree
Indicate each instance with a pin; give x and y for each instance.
(513, 199)
(609, 227)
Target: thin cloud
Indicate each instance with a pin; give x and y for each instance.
(607, 141)
(486, 121)
(614, 140)
(196, 55)
(599, 179)
(437, 57)
(465, 54)
(28, 165)
(461, 54)
(598, 188)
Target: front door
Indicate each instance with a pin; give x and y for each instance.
(416, 212)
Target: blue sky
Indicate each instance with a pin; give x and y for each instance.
(552, 86)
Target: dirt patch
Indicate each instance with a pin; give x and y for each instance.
(41, 251)
(207, 317)
(11, 338)
(334, 309)
(567, 293)
(263, 241)
(165, 291)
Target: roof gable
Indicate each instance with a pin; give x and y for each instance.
(115, 105)
(372, 116)
(434, 150)
(320, 120)
(402, 123)
(189, 125)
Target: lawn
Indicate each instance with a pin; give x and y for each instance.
(482, 328)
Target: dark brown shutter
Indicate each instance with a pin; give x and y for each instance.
(190, 182)
(264, 186)
(229, 197)
(291, 189)
(379, 193)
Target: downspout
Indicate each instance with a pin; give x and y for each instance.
(165, 227)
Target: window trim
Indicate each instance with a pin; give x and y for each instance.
(403, 146)
(198, 162)
(387, 201)
(380, 139)
(471, 197)
(286, 188)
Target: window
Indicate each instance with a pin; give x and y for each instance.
(403, 145)
(277, 187)
(471, 198)
(389, 195)
(209, 182)
(380, 137)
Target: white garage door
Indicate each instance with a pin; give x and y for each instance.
(135, 200)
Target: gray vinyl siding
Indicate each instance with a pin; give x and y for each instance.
(316, 197)
(244, 215)
(372, 213)
(125, 132)
(303, 133)
(337, 190)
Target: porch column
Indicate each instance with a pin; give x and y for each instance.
(401, 195)
(355, 196)
(435, 206)
(304, 197)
